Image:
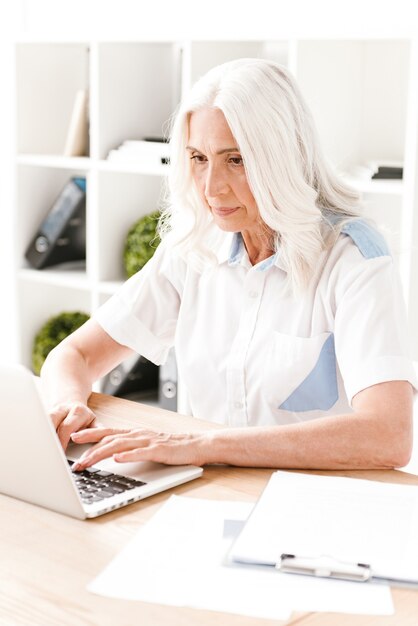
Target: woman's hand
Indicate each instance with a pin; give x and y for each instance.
(69, 417)
(140, 444)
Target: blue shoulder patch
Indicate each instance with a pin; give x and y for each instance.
(367, 239)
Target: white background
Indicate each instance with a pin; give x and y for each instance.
(57, 20)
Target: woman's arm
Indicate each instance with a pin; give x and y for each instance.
(69, 372)
(377, 435)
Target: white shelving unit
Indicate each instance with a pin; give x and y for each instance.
(361, 94)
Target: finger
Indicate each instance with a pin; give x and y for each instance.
(78, 417)
(104, 450)
(59, 413)
(95, 433)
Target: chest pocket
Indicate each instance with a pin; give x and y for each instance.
(309, 374)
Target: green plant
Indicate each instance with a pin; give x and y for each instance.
(52, 333)
(141, 242)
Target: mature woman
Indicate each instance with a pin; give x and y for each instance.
(283, 305)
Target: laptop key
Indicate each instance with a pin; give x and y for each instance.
(116, 489)
(122, 485)
(92, 499)
(105, 493)
(129, 483)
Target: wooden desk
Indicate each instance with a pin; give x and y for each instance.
(47, 559)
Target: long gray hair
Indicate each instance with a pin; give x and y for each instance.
(297, 194)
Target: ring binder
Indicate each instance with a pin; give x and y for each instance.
(323, 567)
(61, 237)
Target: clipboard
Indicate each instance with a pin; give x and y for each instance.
(330, 527)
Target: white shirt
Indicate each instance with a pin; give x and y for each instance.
(249, 355)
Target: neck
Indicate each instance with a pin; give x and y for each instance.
(259, 246)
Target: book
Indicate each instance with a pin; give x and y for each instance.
(388, 173)
(76, 143)
(141, 152)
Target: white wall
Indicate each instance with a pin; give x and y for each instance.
(219, 18)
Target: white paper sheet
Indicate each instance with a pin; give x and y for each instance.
(176, 559)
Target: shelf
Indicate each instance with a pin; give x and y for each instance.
(380, 186)
(109, 287)
(86, 164)
(132, 168)
(52, 160)
(75, 278)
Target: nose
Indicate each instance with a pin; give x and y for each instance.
(216, 182)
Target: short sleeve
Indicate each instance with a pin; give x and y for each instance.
(143, 313)
(370, 327)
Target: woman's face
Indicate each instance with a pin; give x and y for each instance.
(218, 172)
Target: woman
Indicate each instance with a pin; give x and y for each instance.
(283, 305)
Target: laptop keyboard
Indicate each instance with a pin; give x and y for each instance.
(94, 484)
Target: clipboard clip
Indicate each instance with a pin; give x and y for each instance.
(324, 567)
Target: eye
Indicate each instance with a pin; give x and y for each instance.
(236, 160)
(198, 158)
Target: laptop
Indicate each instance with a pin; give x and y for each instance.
(35, 468)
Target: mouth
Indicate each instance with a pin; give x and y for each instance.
(224, 211)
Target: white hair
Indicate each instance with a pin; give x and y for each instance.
(296, 192)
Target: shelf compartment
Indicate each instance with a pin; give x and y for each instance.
(37, 303)
(48, 77)
(122, 199)
(138, 87)
(205, 55)
(360, 117)
(37, 189)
